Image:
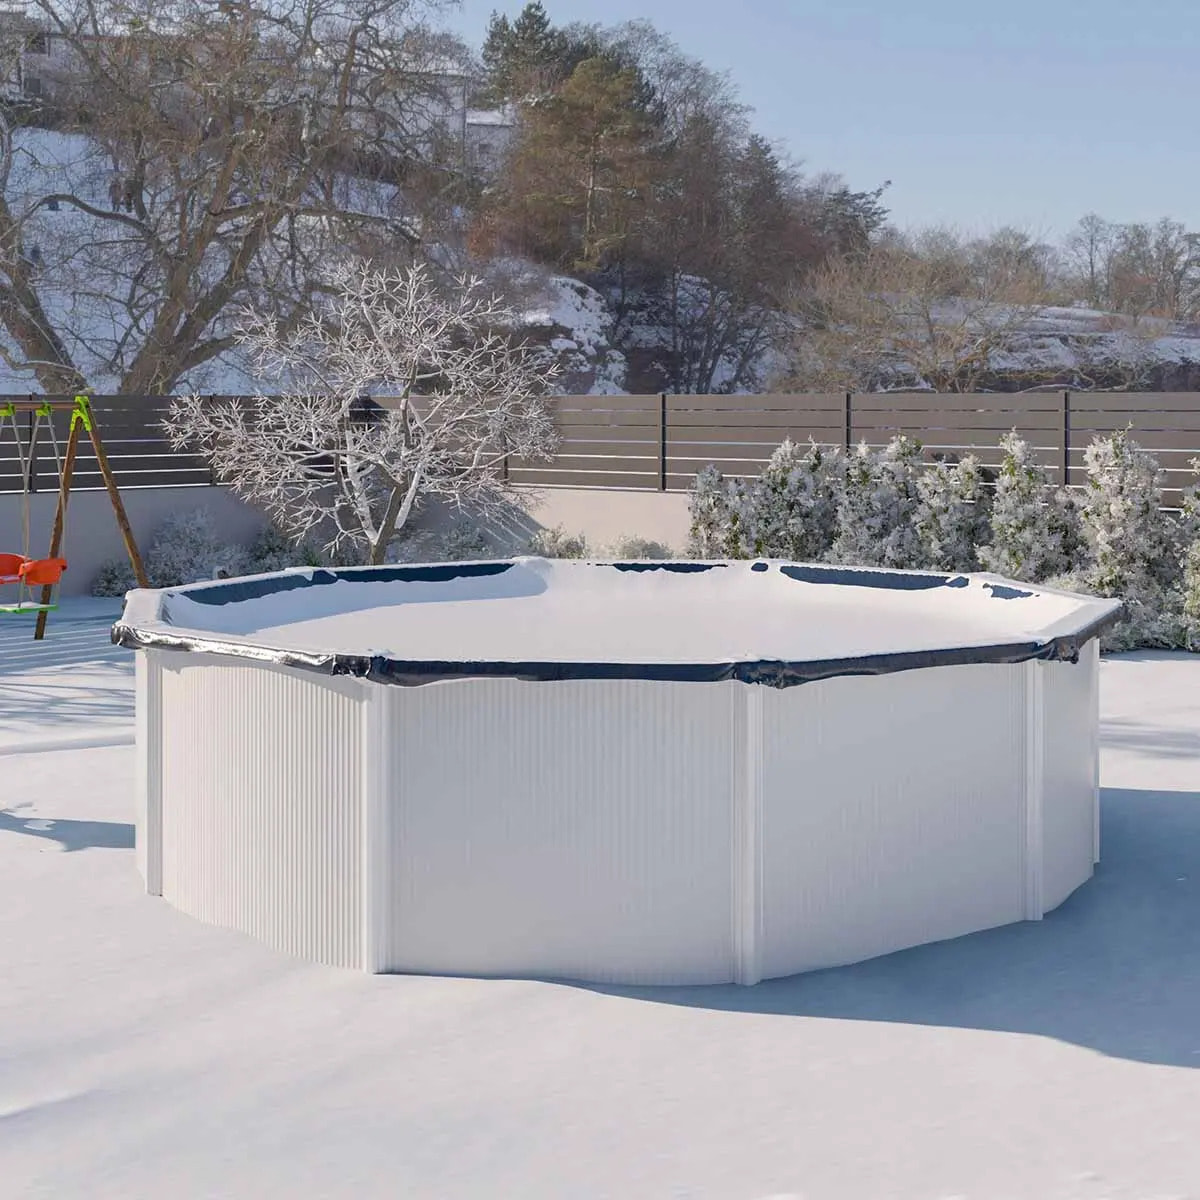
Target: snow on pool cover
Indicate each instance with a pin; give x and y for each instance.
(764, 621)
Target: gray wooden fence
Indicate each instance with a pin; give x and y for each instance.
(659, 442)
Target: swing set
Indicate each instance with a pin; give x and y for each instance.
(37, 579)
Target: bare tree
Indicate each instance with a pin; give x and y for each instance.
(323, 461)
(206, 155)
(1089, 252)
(898, 318)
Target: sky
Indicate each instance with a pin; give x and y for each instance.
(1028, 113)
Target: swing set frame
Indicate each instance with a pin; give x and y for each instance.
(83, 420)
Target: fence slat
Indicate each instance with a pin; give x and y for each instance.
(932, 402)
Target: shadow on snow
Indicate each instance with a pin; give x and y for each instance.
(71, 835)
(1116, 968)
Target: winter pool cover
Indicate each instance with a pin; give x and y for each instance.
(766, 622)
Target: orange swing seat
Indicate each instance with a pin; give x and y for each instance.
(42, 572)
(10, 567)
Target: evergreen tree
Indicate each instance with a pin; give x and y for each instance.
(1035, 531)
(523, 57)
(952, 518)
(793, 503)
(579, 169)
(878, 508)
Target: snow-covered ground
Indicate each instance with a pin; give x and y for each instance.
(143, 1054)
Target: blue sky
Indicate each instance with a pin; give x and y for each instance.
(1026, 113)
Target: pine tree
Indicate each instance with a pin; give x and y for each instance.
(580, 169)
(523, 57)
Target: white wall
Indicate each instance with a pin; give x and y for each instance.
(92, 536)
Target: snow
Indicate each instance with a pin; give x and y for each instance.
(71, 689)
(543, 610)
(144, 1053)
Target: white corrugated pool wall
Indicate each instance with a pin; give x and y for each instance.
(661, 833)
(259, 802)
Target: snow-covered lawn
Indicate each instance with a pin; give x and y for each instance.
(143, 1054)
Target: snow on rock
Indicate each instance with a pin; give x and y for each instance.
(580, 328)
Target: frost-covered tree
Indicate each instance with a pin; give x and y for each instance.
(632, 546)
(322, 462)
(720, 516)
(953, 515)
(794, 503)
(1134, 545)
(878, 506)
(556, 542)
(1035, 528)
(1133, 542)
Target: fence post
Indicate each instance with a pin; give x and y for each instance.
(31, 471)
(662, 441)
(849, 421)
(1066, 439)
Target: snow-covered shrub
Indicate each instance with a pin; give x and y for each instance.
(708, 508)
(558, 543)
(1134, 546)
(114, 578)
(463, 542)
(877, 508)
(1035, 528)
(720, 516)
(632, 547)
(185, 549)
(953, 515)
(1131, 539)
(793, 505)
(272, 550)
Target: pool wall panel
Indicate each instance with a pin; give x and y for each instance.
(147, 825)
(1070, 776)
(579, 829)
(894, 813)
(263, 767)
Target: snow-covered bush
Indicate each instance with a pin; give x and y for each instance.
(720, 516)
(185, 549)
(1134, 550)
(558, 543)
(463, 542)
(272, 550)
(793, 505)
(878, 505)
(632, 547)
(953, 515)
(114, 578)
(1131, 539)
(1035, 528)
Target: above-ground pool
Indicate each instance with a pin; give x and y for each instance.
(619, 772)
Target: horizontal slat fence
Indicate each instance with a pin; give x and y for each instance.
(606, 441)
(130, 428)
(659, 442)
